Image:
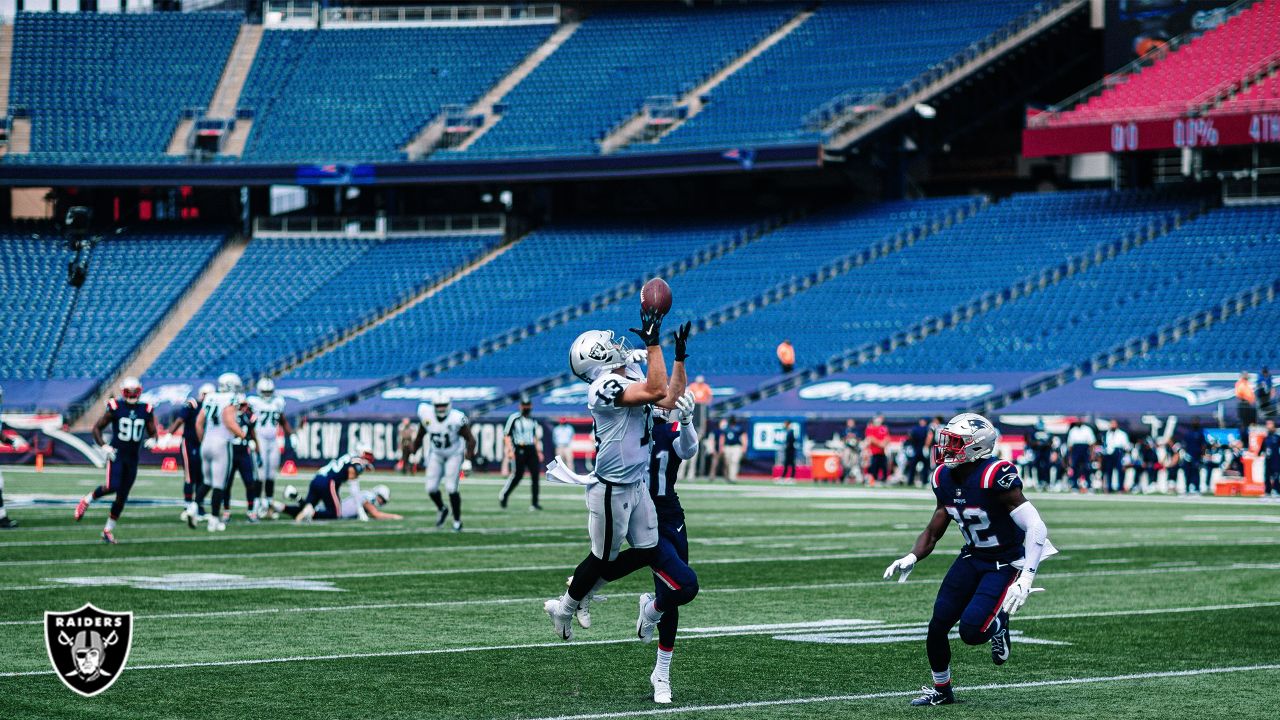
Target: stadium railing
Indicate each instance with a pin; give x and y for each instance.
(1189, 323)
(380, 226)
(1053, 115)
(295, 12)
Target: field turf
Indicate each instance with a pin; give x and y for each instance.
(1157, 607)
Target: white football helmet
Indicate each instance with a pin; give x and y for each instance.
(596, 352)
(967, 437)
(442, 405)
(131, 389)
(266, 387)
(382, 494)
(230, 382)
(204, 390)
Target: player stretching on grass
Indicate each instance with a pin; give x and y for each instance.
(1005, 540)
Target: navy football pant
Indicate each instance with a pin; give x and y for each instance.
(192, 471)
(971, 595)
(323, 496)
(120, 476)
(674, 582)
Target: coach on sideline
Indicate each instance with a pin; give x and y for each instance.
(522, 437)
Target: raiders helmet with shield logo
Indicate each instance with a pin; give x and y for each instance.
(596, 352)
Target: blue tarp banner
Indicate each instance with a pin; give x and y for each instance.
(1133, 393)
(865, 394)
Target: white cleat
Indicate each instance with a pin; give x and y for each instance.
(584, 613)
(645, 624)
(562, 621)
(661, 688)
(215, 525)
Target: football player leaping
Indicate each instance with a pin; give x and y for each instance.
(271, 421)
(618, 503)
(1005, 540)
(446, 430)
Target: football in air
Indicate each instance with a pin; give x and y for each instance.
(656, 295)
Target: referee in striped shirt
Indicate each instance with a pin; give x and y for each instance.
(521, 437)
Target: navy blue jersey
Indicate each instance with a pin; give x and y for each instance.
(245, 419)
(1271, 447)
(664, 464)
(128, 426)
(1193, 444)
(189, 411)
(733, 435)
(337, 468)
(971, 495)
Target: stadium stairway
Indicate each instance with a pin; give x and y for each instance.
(968, 311)
(623, 290)
(896, 242)
(1181, 328)
(226, 97)
(631, 130)
(429, 137)
(852, 125)
(426, 293)
(6, 63)
(171, 323)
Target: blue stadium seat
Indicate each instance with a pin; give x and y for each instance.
(132, 281)
(111, 88)
(362, 94)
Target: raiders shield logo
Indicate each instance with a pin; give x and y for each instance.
(88, 647)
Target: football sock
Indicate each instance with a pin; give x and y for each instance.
(663, 667)
(652, 612)
(269, 490)
(585, 577)
(111, 525)
(215, 505)
(201, 493)
(98, 492)
(437, 499)
(455, 503)
(186, 492)
(942, 678)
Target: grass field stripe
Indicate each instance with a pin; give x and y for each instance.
(899, 693)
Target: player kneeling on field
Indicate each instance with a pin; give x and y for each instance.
(323, 499)
(371, 500)
(1005, 540)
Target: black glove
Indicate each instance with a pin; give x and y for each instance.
(682, 339)
(650, 330)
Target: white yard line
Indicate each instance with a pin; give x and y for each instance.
(899, 693)
(711, 633)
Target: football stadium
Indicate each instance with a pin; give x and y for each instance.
(592, 360)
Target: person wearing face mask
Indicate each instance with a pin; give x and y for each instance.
(522, 437)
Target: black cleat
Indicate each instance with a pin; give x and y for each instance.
(935, 695)
(535, 507)
(1001, 644)
(502, 501)
(441, 516)
(7, 522)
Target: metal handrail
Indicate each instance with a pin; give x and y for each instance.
(1125, 73)
(380, 227)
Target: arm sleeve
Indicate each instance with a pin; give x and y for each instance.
(1028, 518)
(686, 444)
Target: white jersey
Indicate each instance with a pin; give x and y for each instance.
(269, 411)
(349, 504)
(443, 437)
(215, 432)
(622, 433)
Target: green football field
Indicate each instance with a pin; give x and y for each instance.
(1157, 607)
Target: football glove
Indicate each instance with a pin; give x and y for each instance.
(903, 565)
(1019, 592)
(638, 356)
(650, 330)
(466, 465)
(684, 407)
(682, 339)
(108, 452)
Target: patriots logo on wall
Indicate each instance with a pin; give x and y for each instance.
(1195, 388)
(88, 647)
